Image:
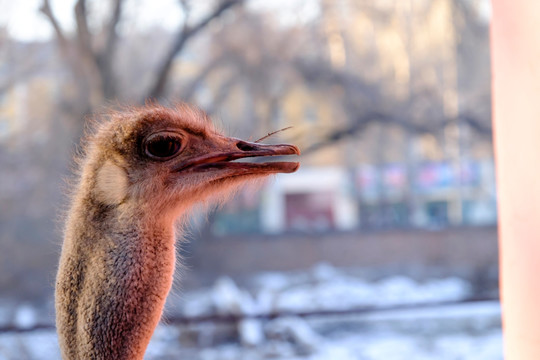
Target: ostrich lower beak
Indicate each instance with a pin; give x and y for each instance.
(238, 149)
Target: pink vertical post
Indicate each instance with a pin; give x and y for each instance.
(516, 108)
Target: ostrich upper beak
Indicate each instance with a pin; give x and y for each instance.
(221, 157)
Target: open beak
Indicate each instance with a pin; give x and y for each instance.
(234, 149)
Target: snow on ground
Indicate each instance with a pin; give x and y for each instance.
(36, 345)
(323, 288)
(367, 345)
(343, 345)
(459, 331)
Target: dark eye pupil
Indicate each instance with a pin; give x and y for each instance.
(163, 147)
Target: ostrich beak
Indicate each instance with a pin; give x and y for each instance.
(222, 156)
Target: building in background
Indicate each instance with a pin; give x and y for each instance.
(322, 199)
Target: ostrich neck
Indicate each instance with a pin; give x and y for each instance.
(113, 279)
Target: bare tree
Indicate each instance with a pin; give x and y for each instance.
(422, 110)
(91, 55)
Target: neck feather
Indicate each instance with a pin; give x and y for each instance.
(114, 275)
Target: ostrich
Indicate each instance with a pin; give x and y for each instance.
(142, 171)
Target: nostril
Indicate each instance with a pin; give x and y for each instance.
(244, 146)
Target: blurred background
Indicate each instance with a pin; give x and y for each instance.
(382, 246)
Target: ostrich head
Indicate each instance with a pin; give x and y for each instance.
(143, 169)
(169, 159)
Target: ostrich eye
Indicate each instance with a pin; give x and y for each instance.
(162, 146)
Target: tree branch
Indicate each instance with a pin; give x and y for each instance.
(112, 35)
(47, 11)
(63, 43)
(381, 118)
(83, 32)
(106, 56)
(181, 39)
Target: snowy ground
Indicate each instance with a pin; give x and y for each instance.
(394, 329)
(344, 344)
(322, 288)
